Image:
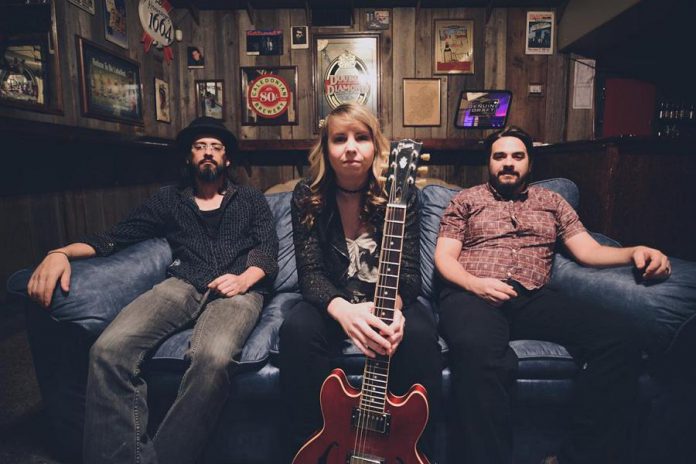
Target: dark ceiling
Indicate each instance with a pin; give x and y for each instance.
(269, 4)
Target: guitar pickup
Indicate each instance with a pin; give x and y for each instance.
(372, 421)
(364, 459)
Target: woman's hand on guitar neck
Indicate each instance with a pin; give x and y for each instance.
(369, 333)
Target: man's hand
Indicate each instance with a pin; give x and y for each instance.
(366, 330)
(54, 267)
(230, 285)
(653, 263)
(493, 291)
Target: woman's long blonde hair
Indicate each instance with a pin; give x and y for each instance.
(322, 178)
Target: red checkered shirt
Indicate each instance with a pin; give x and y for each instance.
(506, 239)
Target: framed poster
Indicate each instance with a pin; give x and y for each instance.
(210, 98)
(453, 41)
(540, 31)
(299, 37)
(377, 20)
(115, 29)
(194, 58)
(421, 102)
(162, 107)
(346, 70)
(24, 74)
(269, 95)
(110, 85)
(264, 43)
(87, 5)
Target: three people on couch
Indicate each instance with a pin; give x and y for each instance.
(494, 251)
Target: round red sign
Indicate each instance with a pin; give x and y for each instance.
(269, 96)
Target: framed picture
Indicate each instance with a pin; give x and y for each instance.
(453, 40)
(377, 20)
(194, 58)
(540, 31)
(269, 95)
(110, 85)
(299, 37)
(210, 99)
(115, 29)
(24, 74)
(162, 97)
(346, 70)
(421, 102)
(87, 5)
(264, 43)
(483, 109)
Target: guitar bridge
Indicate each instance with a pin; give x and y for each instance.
(372, 421)
(364, 459)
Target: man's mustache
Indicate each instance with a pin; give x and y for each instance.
(207, 160)
(510, 172)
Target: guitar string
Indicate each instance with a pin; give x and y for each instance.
(390, 226)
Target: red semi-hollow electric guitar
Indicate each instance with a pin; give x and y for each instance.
(371, 425)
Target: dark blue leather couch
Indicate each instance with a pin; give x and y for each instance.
(250, 426)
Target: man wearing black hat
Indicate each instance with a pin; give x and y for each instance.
(225, 250)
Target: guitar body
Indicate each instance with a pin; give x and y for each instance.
(335, 443)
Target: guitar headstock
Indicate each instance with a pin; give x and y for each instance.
(404, 157)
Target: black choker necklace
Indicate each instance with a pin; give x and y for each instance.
(345, 190)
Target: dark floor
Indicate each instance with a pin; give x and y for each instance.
(22, 432)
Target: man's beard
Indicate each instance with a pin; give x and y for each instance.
(206, 172)
(507, 189)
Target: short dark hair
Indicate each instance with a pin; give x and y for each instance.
(510, 131)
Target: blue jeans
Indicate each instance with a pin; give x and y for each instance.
(116, 415)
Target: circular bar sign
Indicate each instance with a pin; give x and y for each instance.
(269, 96)
(157, 25)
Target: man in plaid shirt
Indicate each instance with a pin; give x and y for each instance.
(495, 251)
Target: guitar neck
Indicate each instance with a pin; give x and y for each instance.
(376, 372)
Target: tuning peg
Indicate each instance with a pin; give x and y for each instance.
(425, 156)
(382, 179)
(422, 170)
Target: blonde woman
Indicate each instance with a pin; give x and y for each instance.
(338, 215)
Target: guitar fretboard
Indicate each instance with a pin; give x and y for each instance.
(376, 372)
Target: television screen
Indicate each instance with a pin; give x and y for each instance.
(483, 109)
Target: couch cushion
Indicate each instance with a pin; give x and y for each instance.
(101, 287)
(171, 354)
(286, 281)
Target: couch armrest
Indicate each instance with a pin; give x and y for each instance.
(101, 287)
(656, 309)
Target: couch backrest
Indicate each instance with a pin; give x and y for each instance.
(286, 281)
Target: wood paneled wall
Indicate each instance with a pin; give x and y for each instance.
(34, 223)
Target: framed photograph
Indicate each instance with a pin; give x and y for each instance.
(421, 102)
(346, 70)
(24, 74)
(264, 43)
(453, 40)
(269, 95)
(210, 99)
(110, 84)
(194, 58)
(377, 20)
(115, 22)
(540, 31)
(299, 37)
(483, 109)
(162, 98)
(87, 5)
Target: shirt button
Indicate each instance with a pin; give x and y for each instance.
(514, 250)
(509, 274)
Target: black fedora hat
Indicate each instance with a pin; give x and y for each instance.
(203, 126)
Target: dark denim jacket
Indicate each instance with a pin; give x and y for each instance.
(322, 254)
